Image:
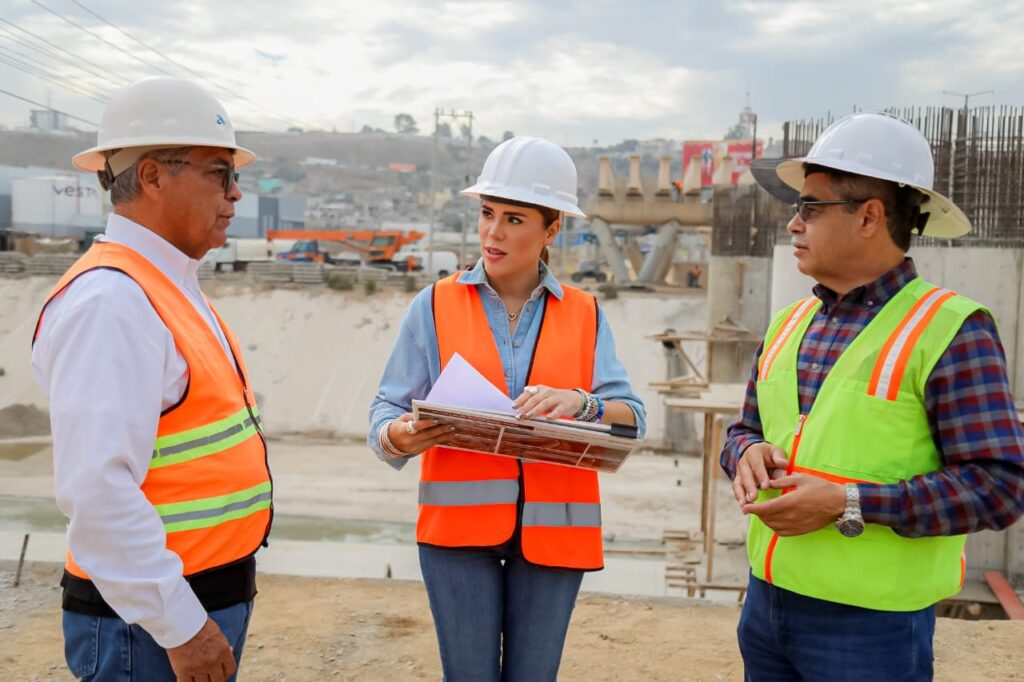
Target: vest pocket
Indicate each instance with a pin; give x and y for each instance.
(856, 436)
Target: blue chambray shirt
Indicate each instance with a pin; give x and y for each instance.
(415, 365)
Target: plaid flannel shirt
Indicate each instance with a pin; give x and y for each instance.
(970, 410)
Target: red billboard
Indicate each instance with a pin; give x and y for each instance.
(709, 154)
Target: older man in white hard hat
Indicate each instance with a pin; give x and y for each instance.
(159, 457)
(878, 427)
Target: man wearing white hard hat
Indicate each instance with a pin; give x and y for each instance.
(878, 427)
(160, 463)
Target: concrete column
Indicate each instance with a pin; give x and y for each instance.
(605, 177)
(610, 249)
(664, 249)
(738, 291)
(664, 184)
(633, 187)
(680, 427)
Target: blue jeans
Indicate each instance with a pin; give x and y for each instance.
(787, 636)
(108, 649)
(498, 617)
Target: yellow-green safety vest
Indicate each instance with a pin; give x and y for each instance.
(867, 425)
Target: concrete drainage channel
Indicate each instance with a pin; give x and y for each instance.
(325, 547)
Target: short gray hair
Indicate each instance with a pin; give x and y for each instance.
(125, 187)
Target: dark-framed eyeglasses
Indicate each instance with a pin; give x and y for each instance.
(228, 175)
(808, 209)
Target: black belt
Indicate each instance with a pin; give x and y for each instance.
(216, 589)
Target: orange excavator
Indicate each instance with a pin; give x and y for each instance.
(372, 247)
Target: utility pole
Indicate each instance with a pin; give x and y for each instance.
(967, 96)
(469, 174)
(454, 116)
(433, 197)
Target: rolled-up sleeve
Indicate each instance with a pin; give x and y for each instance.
(611, 380)
(407, 375)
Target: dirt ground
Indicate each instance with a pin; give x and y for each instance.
(381, 630)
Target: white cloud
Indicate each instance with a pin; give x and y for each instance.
(574, 71)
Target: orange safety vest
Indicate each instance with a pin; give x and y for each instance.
(473, 500)
(208, 478)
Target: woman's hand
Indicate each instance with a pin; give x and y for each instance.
(415, 437)
(544, 401)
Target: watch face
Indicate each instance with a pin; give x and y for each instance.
(851, 528)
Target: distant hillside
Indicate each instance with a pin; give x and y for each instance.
(365, 157)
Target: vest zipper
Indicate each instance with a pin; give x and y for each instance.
(770, 553)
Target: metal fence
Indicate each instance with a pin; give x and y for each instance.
(979, 164)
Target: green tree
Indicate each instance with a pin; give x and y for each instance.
(405, 124)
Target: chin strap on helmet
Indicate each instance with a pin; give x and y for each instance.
(106, 176)
(918, 220)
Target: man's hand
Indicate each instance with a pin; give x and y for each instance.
(753, 471)
(205, 657)
(416, 437)
(812, 503)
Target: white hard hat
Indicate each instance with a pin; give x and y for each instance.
(885, 147)
(160, 113)
(531, 170)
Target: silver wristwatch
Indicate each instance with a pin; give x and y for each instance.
(851, 523)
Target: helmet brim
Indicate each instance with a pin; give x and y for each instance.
(945, 219)
(505, 192)
(94, 159)
(766, 175)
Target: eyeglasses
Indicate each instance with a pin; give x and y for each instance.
(808, 209)
(228, 174)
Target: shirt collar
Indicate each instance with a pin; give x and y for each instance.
(547, 279)
(874, 294)
(178, 267)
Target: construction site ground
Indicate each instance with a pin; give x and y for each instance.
(342, 513)
(345, 521)
(358, 629)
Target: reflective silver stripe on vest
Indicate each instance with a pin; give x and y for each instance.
(562, 514)
(218, 511)
(465, 493)
(205, 440)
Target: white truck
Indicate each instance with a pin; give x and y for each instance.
(444, 262)
(237, 253)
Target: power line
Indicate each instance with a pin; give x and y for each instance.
(57, 111)
(34, 62)
(8, 35)
(101, 38)
(145, 45)
(271, 112)
(110, 74)
(40, 72)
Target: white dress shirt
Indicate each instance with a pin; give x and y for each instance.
(109, 366)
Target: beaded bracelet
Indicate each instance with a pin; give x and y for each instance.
(583, 406)
(592, 408)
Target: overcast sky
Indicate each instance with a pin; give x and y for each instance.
(574, 71)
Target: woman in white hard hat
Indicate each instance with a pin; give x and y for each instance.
(504, 543)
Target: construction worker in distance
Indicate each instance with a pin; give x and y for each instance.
(878, 426)
(159, 457)
(504, 542)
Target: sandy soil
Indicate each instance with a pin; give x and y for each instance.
(381, 630)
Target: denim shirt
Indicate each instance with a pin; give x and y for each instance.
(415, 364)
